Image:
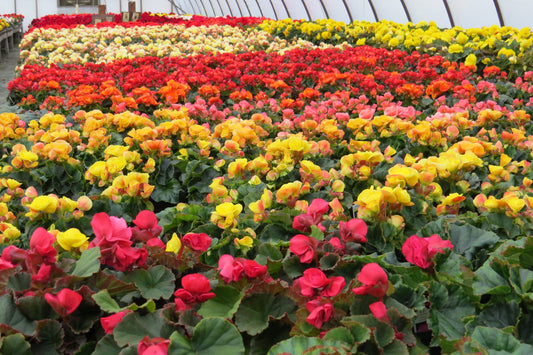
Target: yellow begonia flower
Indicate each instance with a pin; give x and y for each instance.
(8, 231)
(225, 214)
(244, 243)
(400, 175)
(44, 203)
(72, 238)
(471, 59)
(174, 244)
(455, 48)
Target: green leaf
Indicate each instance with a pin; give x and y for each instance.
(488, 281)
(106, 302)
(35, 307)
(19, 282)
(525, 324)
(521, 280)
(154, 283)
(329, 261)
(168, 193)
(13, 318)
(299, 345)
(449, 305)
(50, 333)
(498, 315)
(255, 311)
(384, 334)
(269, 251)
(210, 336)
(134, 327)
(317, 233)
(342, 334)
(467, 239)
(88, 264)
(396, 348)
(15, 344)
(495, 340)
(107, 345)
(293, 267)
(223, 305)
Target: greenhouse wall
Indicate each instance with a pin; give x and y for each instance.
(445, 13)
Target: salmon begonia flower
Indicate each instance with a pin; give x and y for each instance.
(354, 230)
(315, 283)
(145, 226)
(232, 269)
(320, 312)
(153, 346)
(197, 241)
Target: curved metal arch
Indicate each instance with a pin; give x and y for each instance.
(212, 7)
(448, 11)
(221, 9)
(373, 10)
(273, 8)
(499, 12)
(406, 11)
(286, 9)
(192, 7)
(348, 10)
(205, 10)
(238, 6)
(247, 8)
(324, 8)
(230, 10)
(260, 9)
(306, 10)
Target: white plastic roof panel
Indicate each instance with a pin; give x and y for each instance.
(445, 13)
(515, 13)
(315, 9)
(473, 13)
(338, 10)
(297, 10)
(391, 10)
(428, 10)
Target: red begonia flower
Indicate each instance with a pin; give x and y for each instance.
(196, 288)
(41, 243)
(374, 279)
(379, 311)
(320, 312)
(197, 241)
(229, 269)
(145, 226)
(110, 322)
(304, 247)
(314, 282)
(153, 346)
(353, 231)
(65, 302)
(421, 251)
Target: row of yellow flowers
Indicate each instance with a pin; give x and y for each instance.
(511, 44)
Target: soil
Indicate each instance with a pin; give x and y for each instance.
(8, 63)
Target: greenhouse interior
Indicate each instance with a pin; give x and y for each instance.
(266, 177)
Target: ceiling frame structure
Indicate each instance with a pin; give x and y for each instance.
(498, 11)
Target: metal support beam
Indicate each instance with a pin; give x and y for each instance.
(239, 7)
(324, 8)
(450, 17)
(286, 9)
(348, 10)
(229, 7)
(275, 12)
(205, 10)
(306, 10)
(499, 12)
(260, 9)
(406, 11)
(247, 8)
(373, 10)
(212, 8)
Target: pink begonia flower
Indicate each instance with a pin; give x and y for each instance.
(65, 302)
(421, 251)
(313, 216)
(304, 247)
(315, 283)
(41, 243)
(374, 279)
(320, 312)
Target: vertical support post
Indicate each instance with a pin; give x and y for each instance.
(307, 10)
